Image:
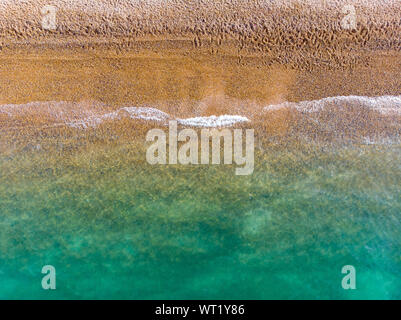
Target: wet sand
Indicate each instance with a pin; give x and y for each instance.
(146, 78)
(77, 192)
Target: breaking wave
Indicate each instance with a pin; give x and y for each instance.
(83, 115)
(387, 105)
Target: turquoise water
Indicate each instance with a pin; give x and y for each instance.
(115, 227)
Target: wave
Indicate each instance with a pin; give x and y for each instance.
(153, 114)
(143, 113)
(386, 105)
(84, 115)
(213, 121)
(91, 114)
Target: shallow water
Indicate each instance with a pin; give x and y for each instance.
(115, 227)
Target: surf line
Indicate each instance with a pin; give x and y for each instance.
(188, 153)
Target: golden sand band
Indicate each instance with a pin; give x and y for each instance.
(210, 84)
(259, 24)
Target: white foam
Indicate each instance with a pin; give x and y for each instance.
(387, 105)
(84, 115)
(381, 140)
(153, 114)
(146, 113)
(76, 116)
(85, 123)
(213, 121)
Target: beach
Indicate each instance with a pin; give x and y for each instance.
(79, 98)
